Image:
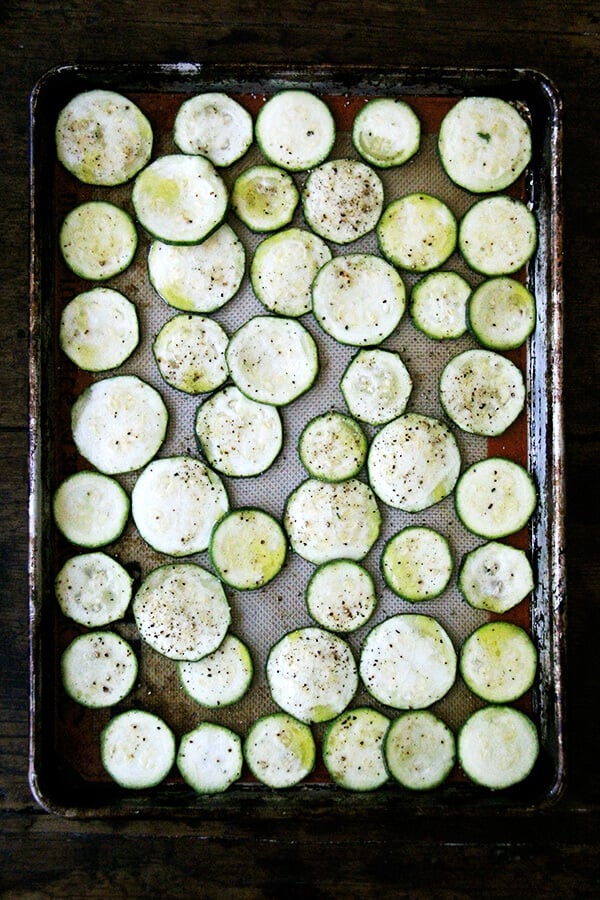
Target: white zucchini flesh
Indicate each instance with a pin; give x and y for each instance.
(247, 548)
(222, 677)
(210, 758)
(332, 447)
(213, 125)
(98, 240)
(99, 329)
(386, 132)
(358, 299)
(498, 662)
(482, 391)
(295, 130)
(438, 305)
(495, 577)
(408, 661)
(484, 144)
(272, 359)
(376, 386)
(264, 198)
(420, 750)
(93, 589)
(175, 503)
(342, 200)
(497, 235)
(190, 353)
(413, 462)
(180, 199)
(417, 563)
(353, 749)
(495, 497)
(498, 746)
(239, 437)
(280, 750)
(137, 749)
(312, 674)
(90, 509)
(98, 669)
(119, 423)
(340, 595)
(417, 232)
(332, 520)
(501, 313)
(283, 269)
(198, 278)
(103, 138)
(181, 611)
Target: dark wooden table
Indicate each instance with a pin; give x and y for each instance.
(554, 854)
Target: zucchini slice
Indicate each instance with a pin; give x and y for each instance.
(93, 589)
(264, 198)
(137, 749)
(295, 130)
(213, 125)
(353, 749)
(417, 232)
(99, 329)
(501, 313)
(340, 595)
(119, 423)
(190, 353)
(498, 662)
(222, 677)
(376, 386)
(247, 548)
(484, 144)
(420, 750)
(438, 305)
(332, 447)
(103, 138)
(312, 674)
(342, 200)
(495, 497)
(280, 751)
(498, 746)
(210, 758)
(417, 563)
(408, 661)
(386, 132)
(180, 199)
(98, 669)
(198, 278)
(239, 437)
(272, 359)
(181, 611)
(90, 509)
(413, 462)
(175, 503)
(98, 240)
(358, 299)
(283, 269)
(497, 235)
(332, 520)
(495, 577)
(482, 392)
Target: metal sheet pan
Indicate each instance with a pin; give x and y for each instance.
(65, 773)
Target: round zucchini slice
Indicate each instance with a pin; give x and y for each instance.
(501, 313)
(495, 577)
(99, 329)
(332, 447)
(408, 661)
(495, 497)
(312, 674)
(98, 669)
(498, 746)
(376, 386)
(181, 611)
(386, 132)
(283, 269)
(247, 548)
(417, 232)
(497, 235)
(93, 589)
(340, 595)
(190, 353)
(295, 130)
(353, 749)
(103, 138)
(342, 200)
(90, 509)
(420, 750)
(438, 305)
(213, 125)
(98, 240)
(280, 751)
(417, 563)
(210, 758)
(264, 198)
(222, 677)
(498, 662)
(137, 749)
